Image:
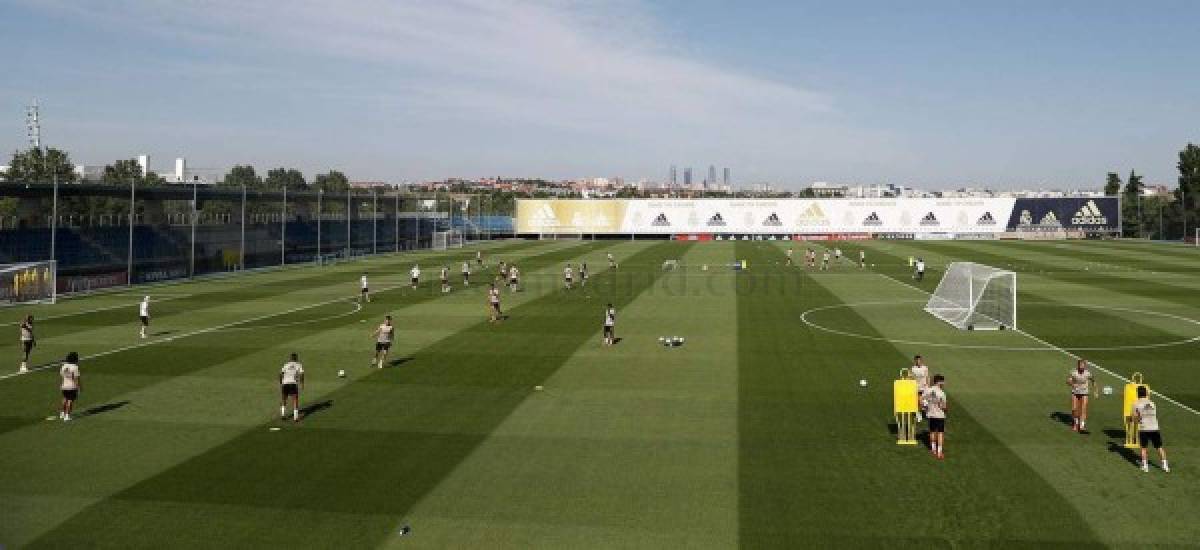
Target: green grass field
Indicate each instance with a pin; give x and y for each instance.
(754, 433)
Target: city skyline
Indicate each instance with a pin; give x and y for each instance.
(938, 95)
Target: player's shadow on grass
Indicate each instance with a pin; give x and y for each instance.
(315, 408)
(399, 361)
(163, 333)
(1063, 417)
(107, 407)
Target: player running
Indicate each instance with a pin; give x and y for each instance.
(414, 276)
(144, 314)
(610, 323)
(514, 278)
(291, 381)
(936, 407)
(1145, 413)
(837, 254)
(466, 273)
(789, 256)
(919, 274)
(920, 373)
(70, 385)
(568, 276)
(825, 261)
(583, 275)
(810, 257)
(479, 257)
(383, 340)
(27, 343)
(445, 279)
(612, 263)
(365, 295)
(1082, 385)
(494, 303)
(862, 259)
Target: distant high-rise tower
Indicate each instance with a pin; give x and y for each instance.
(33, 125)
(674, 180)
(725, 181)
(712, 177)
(687, 177)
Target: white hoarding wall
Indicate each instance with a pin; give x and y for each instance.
(650, 216)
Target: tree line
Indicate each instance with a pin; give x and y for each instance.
(1172, 216)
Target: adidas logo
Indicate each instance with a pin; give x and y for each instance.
(772, 220)
(544, 217)
(813, 215)
(716, 220)
(873, 219)
(661, 220)
(1050, 219)
(1026, 218)
(930, 219)
(1089, 215)
(986, 219)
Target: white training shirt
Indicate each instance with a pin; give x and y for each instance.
(415, 272)
(567, 273)
(1146, 413)
(466, 268)
(291, 372)
(385, 333)
(920, 266)
(144, 309)
(935, 403)
(610, 317)
(26, 332)
(364, 281)
(921, 375)
(70, 376)
(445, 273)
(513, 273)
(494, 295)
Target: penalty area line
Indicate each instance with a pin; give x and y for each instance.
(1068, 353)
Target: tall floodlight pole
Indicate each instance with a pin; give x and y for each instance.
(320, 192)
(348, 223)
(283, 230)
(396, 220)
(132, 208)
(374, 217)
(54, 219)
(195, 211)
(242, 260)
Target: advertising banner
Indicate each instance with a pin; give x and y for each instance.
(897, 216)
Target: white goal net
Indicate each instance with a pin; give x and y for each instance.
(447, 239)
(31, 282)
(974, 296)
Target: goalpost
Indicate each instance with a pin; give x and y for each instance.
(447, 239)
(29, 282)
(974, 296)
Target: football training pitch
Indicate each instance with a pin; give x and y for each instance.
(754, 432)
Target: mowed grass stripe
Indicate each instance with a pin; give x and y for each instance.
(818, 466)
(632, 445)
(108, 377)
(210, 302)
(324, 467)
(171, 417)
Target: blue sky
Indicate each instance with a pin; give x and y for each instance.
(1004, 94)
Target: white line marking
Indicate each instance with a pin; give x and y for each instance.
(1065, 352)
(99, 309)
(357, 308)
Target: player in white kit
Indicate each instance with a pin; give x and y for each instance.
(920, 373)
(144, 314)
(1082, 385)
(365, 293)
(27, 343)
(610, 325)
(383, 340)
(466, 273)
(414, 275)
(70, 385)
(291, 381)
(1145, 413)
(445, 279)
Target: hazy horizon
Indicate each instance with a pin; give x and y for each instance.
(938, 95)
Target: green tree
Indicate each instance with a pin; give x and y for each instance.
(124, 171)
(332, 182)
(1187, 195)
(285, 178)
(242, 175)
(1112, 186)
(40, 166)
(1131, 209)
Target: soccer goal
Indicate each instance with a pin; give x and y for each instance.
(974, 296)
(447, 239)
(573, 236)
(31, 282)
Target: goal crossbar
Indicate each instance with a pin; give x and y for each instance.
(974, 296)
